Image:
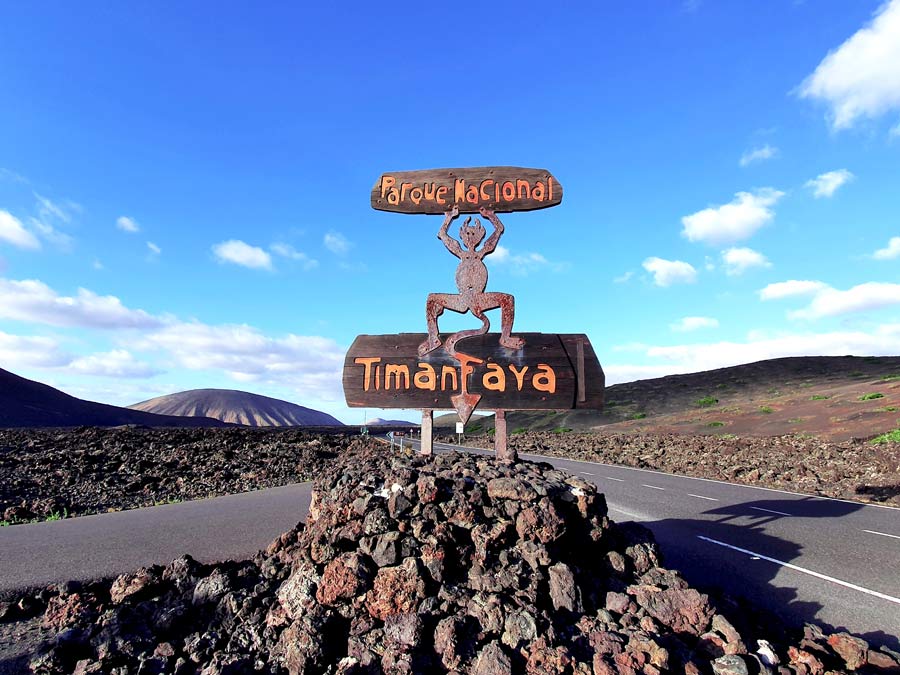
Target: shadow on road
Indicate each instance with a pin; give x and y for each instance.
(746, 579)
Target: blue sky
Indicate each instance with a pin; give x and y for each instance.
(184, 192)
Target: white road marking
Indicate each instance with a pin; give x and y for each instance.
(883, 534)
(778, 513)
(586, 473)
(797, 568)
(712, 499)
(620, 480)
(631, 514)
(707, 480)
(652, 487)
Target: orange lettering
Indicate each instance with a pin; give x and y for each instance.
(429, 194)
(522, 186)
(425, 378)
(509, 191)
(397, 372)
(472, 194)
(537, 193)
(403, 188)
(484, 195)
(439, 195)
(495, 380)
(520, 375)
(415, 195)
(544, 379)
(387, 182)
(459, 189)
(550, 188)
(367, 363)
(377, 377)
(454, 383)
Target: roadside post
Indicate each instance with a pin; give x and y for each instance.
(469, 368)
(460, 428)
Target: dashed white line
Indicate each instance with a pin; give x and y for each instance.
(778, 513)
(619, 480)
(712, 499)
(586, 473)
(652, 487)
(883, 534)
(818, 575)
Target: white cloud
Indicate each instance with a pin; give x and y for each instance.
(690, 323)
(127, 224)
(734, 221)
(739, 260)
(115, 363)
(826, 184)
(861, 78)
(522, 264)
(336, 243)
(668, 272)
(48, 209)
(51, 234)
(891, 251)
(19, 351)
(97, 265)
(13, 232)
(34, 301)
(692, 358)
(863, 297)
(288, 251)
(311, 364)
(623, 278)
(758, 155)
(787, 289)
(154, 249)
(240, 253)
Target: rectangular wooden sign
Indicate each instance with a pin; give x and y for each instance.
(551, 372)
(502, 189)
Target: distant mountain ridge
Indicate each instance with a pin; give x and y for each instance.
(237, 407)
(26, 403)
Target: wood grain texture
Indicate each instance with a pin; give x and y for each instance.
(557, 353)
(503, 189)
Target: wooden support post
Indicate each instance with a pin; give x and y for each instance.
(426, 446)
(501, 448)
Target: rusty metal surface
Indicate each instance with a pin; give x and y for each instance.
(471, 282)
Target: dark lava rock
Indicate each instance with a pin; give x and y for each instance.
(407, 564)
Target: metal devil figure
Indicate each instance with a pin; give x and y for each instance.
(469, 368)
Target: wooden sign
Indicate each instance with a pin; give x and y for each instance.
(499, 188)
(551, 372)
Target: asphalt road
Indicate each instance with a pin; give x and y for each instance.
(806, 558)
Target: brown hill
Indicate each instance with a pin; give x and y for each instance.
(239, 407)
(26, 403)
(833, 397)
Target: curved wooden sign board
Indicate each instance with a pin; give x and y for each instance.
(551, 372)
(502, 189)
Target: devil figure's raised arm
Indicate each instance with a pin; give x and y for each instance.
(451, 243)
(494, 239)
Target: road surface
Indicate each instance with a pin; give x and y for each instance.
(807, 558)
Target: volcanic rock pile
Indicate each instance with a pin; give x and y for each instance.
(845, 470)
(91, 470)
(428, 565)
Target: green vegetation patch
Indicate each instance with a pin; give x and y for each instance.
(715, 424)
(707, 402)
(637, 416)
(766, 409)
(889, 437)
(520, 430)
(818, 397)
(890, 378)
(870, 397)
(887, 408)
(561, 430)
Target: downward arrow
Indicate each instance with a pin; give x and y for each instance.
(465, 403)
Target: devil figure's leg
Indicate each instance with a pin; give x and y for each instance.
(506, 303)
(434, 307)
